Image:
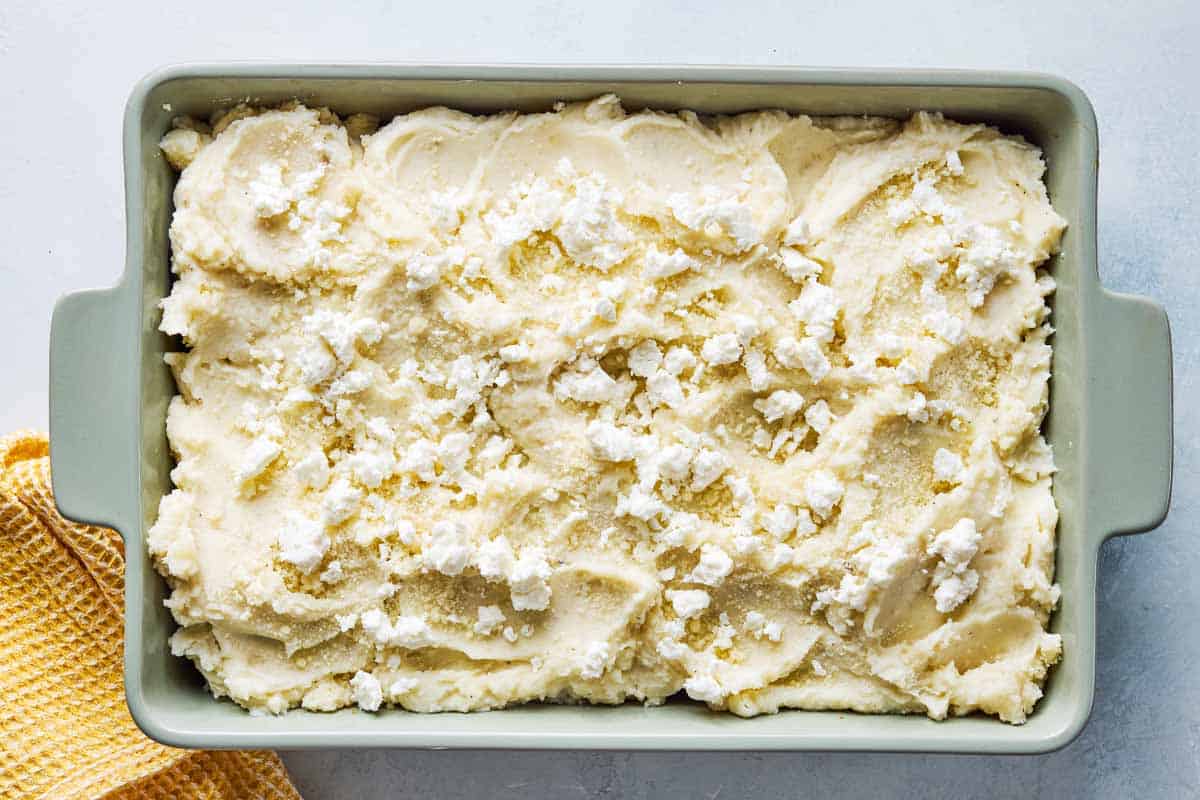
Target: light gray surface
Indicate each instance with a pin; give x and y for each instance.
(68, 67)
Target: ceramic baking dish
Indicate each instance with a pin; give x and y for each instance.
(1109, 418)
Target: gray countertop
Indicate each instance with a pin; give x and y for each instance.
(68, 67)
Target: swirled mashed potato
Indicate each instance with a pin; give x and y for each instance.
(596, 406)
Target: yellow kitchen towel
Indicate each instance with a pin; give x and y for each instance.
(65, 731)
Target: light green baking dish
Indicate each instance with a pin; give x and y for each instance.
(1109, 420)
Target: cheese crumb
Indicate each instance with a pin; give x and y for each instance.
(818, 416)
(688, 602)
(707, 466)
(645, 359)
(302, 542)
(818, 308)
(490, 618)
(715, 564)
(947, 467)
(721, 349)
(594, 661)
(514, 353)
(367, 691)
(341, 502)
(261, 453)
(678, 360)
(803, 354)
(822, 491)
(797, 232)
(704, 688)
(782, 403)
(610, 443)
(658, 265)
(953, 581)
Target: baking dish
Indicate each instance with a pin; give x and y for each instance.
(1109, 418)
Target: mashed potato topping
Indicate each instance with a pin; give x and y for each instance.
(597, 406)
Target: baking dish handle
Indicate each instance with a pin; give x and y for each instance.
(92, 455)
(1130, 448)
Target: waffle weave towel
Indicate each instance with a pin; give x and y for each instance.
(65, 731)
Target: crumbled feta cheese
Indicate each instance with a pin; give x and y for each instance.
(678, 360)
(594, 661)
(423, 271)
(490, 618)
(340, 503)
(316, 364)
(420, 459)
(640, 504)
(779, 556)
(781, 522)
(658, 265)
(890, 345)
(818, 308)
(947, 466)
(916, 409)
(953, 590)
(715, 214)
(780, 404)
(757, 624)
(721, 349)
(302, 542)
(714, 565)
(799, 267)
(494, 558)
(707, 466)
(822, 491)
(528, 587)
(269, 194)
(688, 602)
(351, 382)
(797, 232)
(407, 632)
(494, 450)
(745, 328)
(675, 461)
(592, 386)
(588, 227)
(333, 573)
(804, 523)
(818, 416)
(958, 544)
(610, 443)
(672, 650)
(514, 353)
(704, 688)
(645, 359)
(664, 389)
(261, 453)
(906, 373)
(953, 580)
(371, 467)
(367, 691)
(954, 164)
(803, 354)
(446, 550)
(756, 369)
(680, 525)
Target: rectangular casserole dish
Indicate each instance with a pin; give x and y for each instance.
(1109, 418)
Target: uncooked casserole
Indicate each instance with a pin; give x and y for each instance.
(596, 406)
